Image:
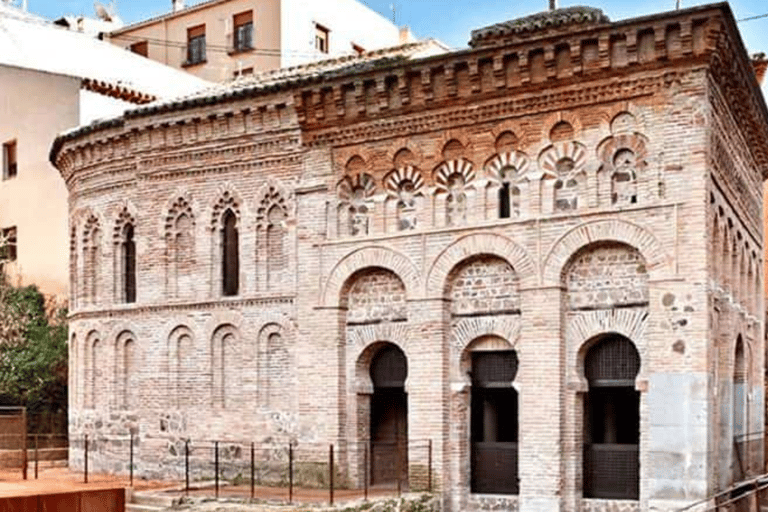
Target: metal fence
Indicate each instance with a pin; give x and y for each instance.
(208, 465)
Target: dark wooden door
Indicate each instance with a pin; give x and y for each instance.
(389, 436)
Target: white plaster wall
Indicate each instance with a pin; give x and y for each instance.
(348, 20)
(34, 107)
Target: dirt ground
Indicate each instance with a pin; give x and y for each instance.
(55, 480)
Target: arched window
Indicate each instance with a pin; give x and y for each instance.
(504, 196)
(128, 248)
(230, 260)
(624, 178)
(494, 424)
(612, 421)
(456, 200)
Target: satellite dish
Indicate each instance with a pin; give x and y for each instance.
(102, 12)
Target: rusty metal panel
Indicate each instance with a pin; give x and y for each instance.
(21, 504)
(104, 500)
(112, 500)
(59, 502)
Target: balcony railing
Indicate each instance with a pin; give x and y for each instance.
(494, 468)
(611, 471)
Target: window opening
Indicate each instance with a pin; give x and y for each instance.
(195, 45)
(129, 262)
(8, 244)
(243, 33)
(493, 423)
(612, 421)
(322, 38)
(504, 207)
(10, 165)
(230, 255)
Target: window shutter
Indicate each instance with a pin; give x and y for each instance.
(243, 18)
(196, 31)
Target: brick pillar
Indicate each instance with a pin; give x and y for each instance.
(427, 389)
(541, 355)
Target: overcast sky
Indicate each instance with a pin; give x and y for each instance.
(450, 20)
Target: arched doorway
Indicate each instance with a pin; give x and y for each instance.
(389, 416)
(612, 420)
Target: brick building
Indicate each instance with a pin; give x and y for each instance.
(543, 253)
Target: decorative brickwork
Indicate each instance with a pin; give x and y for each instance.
(545, 192)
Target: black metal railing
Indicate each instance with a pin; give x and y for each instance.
(611, 471)
(494, 468)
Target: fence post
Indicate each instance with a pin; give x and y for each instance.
(429, 468)
(290, 473)
(365, 472)
(37, 436)
(253, 470)
(216, 465)
(330, 470)
(24, 460)
(86, 459)
(186, 466)
(130, 470)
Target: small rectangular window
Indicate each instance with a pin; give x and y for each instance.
(322, 38)
(8, 244)
(242, 39)
(10, 164)
(243, 72)
(140, 48)
(195, 45)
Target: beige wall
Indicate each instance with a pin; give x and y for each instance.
(35, 107)
(217, 18)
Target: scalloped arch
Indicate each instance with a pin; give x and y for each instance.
(474, 245)
(516, 159)
(370, 257)
(614, 230)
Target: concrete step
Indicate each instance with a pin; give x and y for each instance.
(152, 499)
(133, 507)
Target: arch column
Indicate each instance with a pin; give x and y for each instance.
(541, 384)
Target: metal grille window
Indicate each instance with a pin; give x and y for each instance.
(612, 421)
(10, 166)
(195, 45)
(230, 261)
(494, 427)
(243, 32)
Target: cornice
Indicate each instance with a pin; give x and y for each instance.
(220, 304)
